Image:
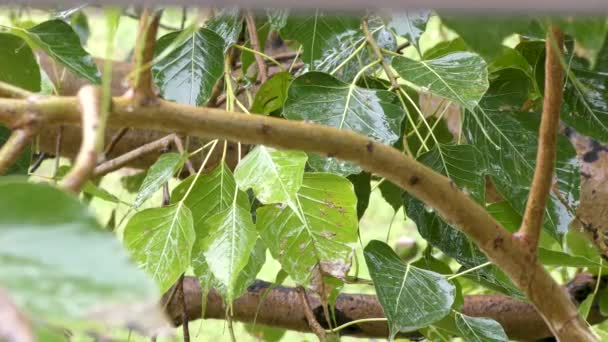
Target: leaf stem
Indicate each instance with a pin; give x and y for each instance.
(469, 270)
(255, 52)
(359, 321)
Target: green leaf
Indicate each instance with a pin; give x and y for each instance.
(264, 333)
(589, 33)
(323, 99)
(461, 77)
(212, 193)
(392, 194)
(511, 156)
(362, 185)
(319, 33)
(188, 74)
(274, 175)
(277, 18)
(160, 241)
(322, 232)
(62, 44)
(56, 260)
(485, 35)
(555, 258)
(91, 189)
(272, 94)
(228, 24)
(409, 24)
(18, 64)
(478, 329)
(411, 298)
(158, 174)
(80, 24)
(229, 245)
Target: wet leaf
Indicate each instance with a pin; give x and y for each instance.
(411, 298)
(160, 241)
(228, 24)
(49, 243)
(325, 100)
(272, 94)
(322, 231)
(409, 24)
(61, 43)
(479, 329)
(188, 74)
(362, 185)
(158, 174)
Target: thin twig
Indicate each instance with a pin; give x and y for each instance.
(376, 49)
(182, 296)
(545, 158)
(90, 103)
(42, 156)
(125, 159)
(58, 144)
(114, 141)
(180, 148)
(255, 45)
(143, 85)
(12, 148)
(315, 327)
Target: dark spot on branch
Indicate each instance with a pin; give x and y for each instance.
(414, 180)
(331, 155)
(568, 131)
(498, 242)
(590, 156)
(585, 174)
(265, 129)
(257, 286)
(341, 318)
(370, 147)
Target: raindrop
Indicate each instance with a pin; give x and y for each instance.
(429, 209)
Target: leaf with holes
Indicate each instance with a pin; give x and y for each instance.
(411, 298)
(479, 329)
(57, 262)
(158, 174)
(211, 193)
(61, 43)
(325, 100)
(188, 74)
(228, 245)
(461, 77)
(228, 24)
(323, 231)
(160, 241)
(274, 175)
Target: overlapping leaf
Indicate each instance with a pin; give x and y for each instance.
(323, 99)
(272, 94)
(61, 43)
(228, 24)
(160, 241)
(411, 298)
(188, 74)
(479, 329)
(56, 260)
(322, 233)
(158, 174)
(410, 24)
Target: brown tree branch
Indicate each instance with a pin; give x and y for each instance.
(434, 189)
(12, 148)
(376, 49)
(282, 308)
(91, 146)
(542, 182)
(143, 84)
(313, 324)
(255, 45)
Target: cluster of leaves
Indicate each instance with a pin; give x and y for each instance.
(304, 208)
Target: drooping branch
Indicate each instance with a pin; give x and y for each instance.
(542, 182)
(434, 189)
(92, 143)
(143, 85)
(281, 308)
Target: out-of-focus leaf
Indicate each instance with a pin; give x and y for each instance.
(392, 194)
(228, 24)
(160, 241)
(265, 333)
(479, 329)
(56, 260)
(272, 94)
(91, 189)
(158, 174)
(80, 24)
(323, 99)
(18, 64)
(589, 33)
(409, 24)
(277, 18)
(188, 74)
(322, 232)
(411, 298)
(60, 42)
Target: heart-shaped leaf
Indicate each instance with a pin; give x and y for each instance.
(160, 241)
(159, 173)
(323, 99)
(479, 329)
(321, 233)
(411, 298)
(188, 74)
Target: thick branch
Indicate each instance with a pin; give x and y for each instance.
(91, 146)
(143, 85)
(545, 159)
(255, 45)
(8, 90)
(12, 148)
(282, 308)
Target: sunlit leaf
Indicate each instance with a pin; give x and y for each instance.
(411, 298)
(188, 74)
(56, 260)
(160, 241)
(479, 329)
(322, 232)
(158, 174)
(323, 99)
(61, 43)
(274, 175)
